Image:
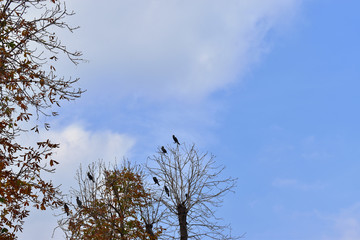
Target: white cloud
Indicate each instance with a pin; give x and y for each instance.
(178, 49)
(78, 145)
(81, 146)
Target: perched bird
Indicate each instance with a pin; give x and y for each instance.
(66, 209)
(79, 203)
(167, 191)
(90, 177)
(163, 149)
(176, 140)
(186, 198)
(156, 181)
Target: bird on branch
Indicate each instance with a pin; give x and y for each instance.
(167, 191)
(176, 140)
(79, 203)
(186, 198)
(156, 181)
(90, 177)
(163, 149)
(66, 207)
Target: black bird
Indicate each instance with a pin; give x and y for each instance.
(79, 203)
(163, 149)
(156, 181)
(167, 191)
(66, 209)
(186, 198)
(90, 177)
(176, 140)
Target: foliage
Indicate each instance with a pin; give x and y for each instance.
(28, 88)
(111, 205)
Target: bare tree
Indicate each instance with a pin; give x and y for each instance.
(195, 191)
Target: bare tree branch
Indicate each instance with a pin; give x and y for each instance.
(196, 190)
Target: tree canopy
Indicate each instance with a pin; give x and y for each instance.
(29, 87)
(112, 205)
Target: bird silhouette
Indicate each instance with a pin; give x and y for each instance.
(167, 191)
(176, 140)
(156, 181)
(66, 209)
(90, 177)
(79, 203)
(163, 149)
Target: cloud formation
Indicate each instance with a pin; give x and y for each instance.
(78, 145)
(177, 49)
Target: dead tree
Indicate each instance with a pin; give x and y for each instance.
(196, 189)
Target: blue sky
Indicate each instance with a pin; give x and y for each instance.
(269, 87)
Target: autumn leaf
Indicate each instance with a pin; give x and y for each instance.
(28, 88)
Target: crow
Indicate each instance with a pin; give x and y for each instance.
(186, 199)
(90, 177)
(156, 181)
(163, 149)
(66, 209)
(176, 140)
(79, 203)
(167, 191)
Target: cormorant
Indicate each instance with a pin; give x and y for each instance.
(90, 177)
(167, 191)
(176, 140)
(163, 149)
(66, 209)
(79, 203)
(156, 181)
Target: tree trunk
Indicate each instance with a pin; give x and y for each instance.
(182, 214)
(149, 231)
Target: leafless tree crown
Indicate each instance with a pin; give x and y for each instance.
(196, 189)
